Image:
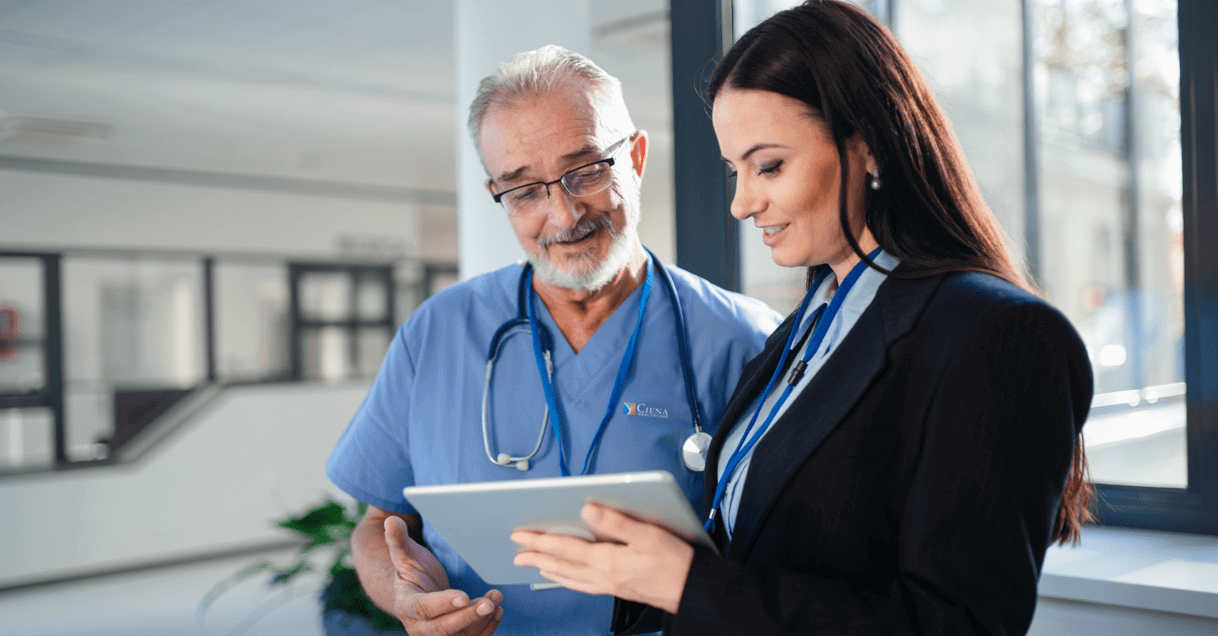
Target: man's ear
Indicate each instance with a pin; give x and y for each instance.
(638, 153)
(487, 183)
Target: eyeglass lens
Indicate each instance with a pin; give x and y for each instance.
(580, 182)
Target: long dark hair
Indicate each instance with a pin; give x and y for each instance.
(851, 72)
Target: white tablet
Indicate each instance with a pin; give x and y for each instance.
(477, 518)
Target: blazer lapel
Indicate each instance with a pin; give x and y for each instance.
(826, 401)
(753, 378)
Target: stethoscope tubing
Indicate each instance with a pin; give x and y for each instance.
(522, 324)
(486, 390)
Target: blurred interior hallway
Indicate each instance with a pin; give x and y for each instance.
(165, 602)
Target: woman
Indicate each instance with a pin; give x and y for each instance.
(907, 446)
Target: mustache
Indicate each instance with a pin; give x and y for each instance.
(582, 228)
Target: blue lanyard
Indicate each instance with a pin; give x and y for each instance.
(823, 317)
(618, 384)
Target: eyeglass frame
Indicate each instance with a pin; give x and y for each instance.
(612, 150)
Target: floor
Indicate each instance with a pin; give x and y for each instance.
(166, 602)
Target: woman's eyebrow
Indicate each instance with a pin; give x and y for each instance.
(762, 146)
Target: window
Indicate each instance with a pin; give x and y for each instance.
(1092, 184)
(145, 332)
(343, 320)
(1090, 125)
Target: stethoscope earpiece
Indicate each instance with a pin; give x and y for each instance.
(507, 460)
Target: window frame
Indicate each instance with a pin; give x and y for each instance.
(700, 198)
(352, 325)
(1195, 507)
(51, 395)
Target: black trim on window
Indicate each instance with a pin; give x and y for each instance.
(702, 248)
(353, 324)
(708, 238)
(1194, 509)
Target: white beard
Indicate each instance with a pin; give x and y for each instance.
(594, 275)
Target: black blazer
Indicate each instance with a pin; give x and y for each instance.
(912, 486)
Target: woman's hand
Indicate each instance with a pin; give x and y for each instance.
(649, 565)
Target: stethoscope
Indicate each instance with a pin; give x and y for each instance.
(693, 451)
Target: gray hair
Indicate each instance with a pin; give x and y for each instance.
(542, 72)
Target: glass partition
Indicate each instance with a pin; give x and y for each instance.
(140, 333)
(1107, 95)
(22, 325)
(25, 439)
(1069, 114)
(1088, 188)
(252, 319)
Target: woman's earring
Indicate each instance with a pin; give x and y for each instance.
(875, 178)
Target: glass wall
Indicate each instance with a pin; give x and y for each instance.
(1107, 96)
(1087, 186)
(22, 329)
(780, 287)
(252, 318)
(140, 333)
(130, 324)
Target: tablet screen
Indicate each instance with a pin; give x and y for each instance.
(476, 519)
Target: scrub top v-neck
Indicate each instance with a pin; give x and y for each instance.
(420, 423)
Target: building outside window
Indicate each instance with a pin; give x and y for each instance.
(1069, 112)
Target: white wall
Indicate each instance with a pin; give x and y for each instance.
(253, 456)
(54, 210)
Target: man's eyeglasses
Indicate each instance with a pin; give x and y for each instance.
(580, 182)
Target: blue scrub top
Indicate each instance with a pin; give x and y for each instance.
(420, 423)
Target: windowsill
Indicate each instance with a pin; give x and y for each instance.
(1144, 569)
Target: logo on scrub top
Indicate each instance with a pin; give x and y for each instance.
(635, 408)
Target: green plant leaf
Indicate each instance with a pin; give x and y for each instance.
(324, 524)
(283, 576)
(327, 527)
(345, 594)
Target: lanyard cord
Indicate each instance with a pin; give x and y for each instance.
(618, 383)
(823, 318)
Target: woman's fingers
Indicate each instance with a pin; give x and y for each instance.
(574, 584)
(551, 552)
(565, 560)
(610, 523)
(635, 560)
(559, 544)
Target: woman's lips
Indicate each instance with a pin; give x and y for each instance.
(770, 234)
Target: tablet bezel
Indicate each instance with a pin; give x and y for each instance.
(476, 519)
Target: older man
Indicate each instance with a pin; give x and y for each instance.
(565, 162)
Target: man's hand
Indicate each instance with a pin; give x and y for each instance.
(405, 579)
(422, 599)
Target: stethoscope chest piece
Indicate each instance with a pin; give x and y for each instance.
(693, 451)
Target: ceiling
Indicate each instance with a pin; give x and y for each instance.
(350, 91)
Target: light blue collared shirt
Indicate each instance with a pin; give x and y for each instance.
(853, 306)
